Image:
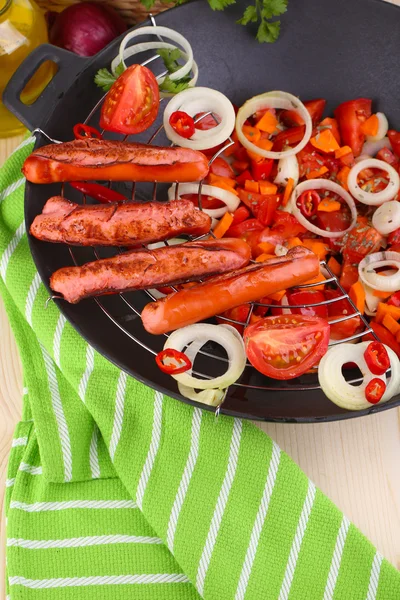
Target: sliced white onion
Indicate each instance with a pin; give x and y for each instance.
(281, 250)
(371, 301)
(371, 148)
(386, 218)
(345, 395)
(369, 264)
(230, 200)
(157, 30)
(383, 126)
(288, 168)
(202, 333)
(274, 99)
(201, 100)
(322, 184)
(210, 397)
(378, 198)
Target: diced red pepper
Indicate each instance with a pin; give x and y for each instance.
(244, 227)
(267, 208)
(387, 156)
(350, 116)
(360, 241)
(291, 118)
(241, 214)
(289, 137)
(384, 336)
(349, 275)
(245, 176)
(394, 138)
(222, 168)
(308, 297)
(394, 299)
(261, 170)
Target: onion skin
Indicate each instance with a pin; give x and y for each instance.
(86, 28)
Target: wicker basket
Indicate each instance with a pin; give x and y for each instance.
(132, 11)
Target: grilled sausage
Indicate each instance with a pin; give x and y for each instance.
(141, 269)
(111, 160)
(117, 224)
(227, 291)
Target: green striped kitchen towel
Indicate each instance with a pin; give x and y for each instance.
(115, 491)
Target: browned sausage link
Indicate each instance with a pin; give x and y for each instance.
(117, 224)
(219, 294)
(141, 269)
(112, 160)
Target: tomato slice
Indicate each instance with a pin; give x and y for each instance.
(131, 105)
(308, 297)
(286, 346)
(350, 116)
(206, 201)
(222, 168)
(344, 329)
(291, 118)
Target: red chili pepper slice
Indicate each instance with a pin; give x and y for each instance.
(375, 390)
(377, 358)
(98, 192)
(83, 131)
(308, 203)
(182, 123)
(176, 367)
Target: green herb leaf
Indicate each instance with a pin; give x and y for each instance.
(268, 32)
(273, 8)
(249, 16)
(170, 58)
(220, 4)
(104, 78)
(148, 3)
(174, 87)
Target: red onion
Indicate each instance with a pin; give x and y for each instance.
(86, 28)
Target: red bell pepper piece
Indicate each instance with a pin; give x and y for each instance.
(308, 297)
(394, 300)
(244, 177)
(261, 170)
(350, 116)
(387, 156)
(241, 228)
(291, 118)
(266, 210)
(385, 336)
(221, 168)
(360, 241)
(98, 192)
(289, 137)
(241, 214)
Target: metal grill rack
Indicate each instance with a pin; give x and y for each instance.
(132, 304)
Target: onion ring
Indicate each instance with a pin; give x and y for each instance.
(231, 200)
(366, 271)
(368, 197)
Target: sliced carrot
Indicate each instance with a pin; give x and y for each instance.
(332, 124)
(212, 179)
(252, 133)
(379, 294)
(292, 242)
(268, 122)
(391, 324)
(316, 174)
(288, 191)
(342, 151)
(325, 141)
(387, 309)
(334, 266)
(342, 177)
(251, 186)
(319, 278)
(370, 126)
(223, 225)
(357, 294)
(277, 296)
(267, 188)
(266, 247)
(264, 145)
(329, 205)
(265, 256)
(319, 248)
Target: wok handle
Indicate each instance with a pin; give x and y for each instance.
(69, 66)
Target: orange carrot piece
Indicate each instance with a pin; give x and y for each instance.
(342, 177)
(266, 247)
(316, 174)
(391, 324)
(319, 248)
(251, 186)
(334, 266)
(252, 133)
(254, 318)
(268, 122)
(382, 295)
(325, 141)
(212, 179)
(292, 242)
(332, 125)
(357, 295)
(277, 296)
(267, 188)
(370, 126)
(387, 309)
(288, 191)
(318, 279)
(329, 205)
(342, 151)
(264, 145)
(223, 225)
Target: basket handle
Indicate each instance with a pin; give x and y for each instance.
(69, 65)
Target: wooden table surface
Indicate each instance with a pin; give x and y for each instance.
(355, 462)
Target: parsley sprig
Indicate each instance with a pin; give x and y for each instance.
(262, 11)
(105, 78)
(170, 59)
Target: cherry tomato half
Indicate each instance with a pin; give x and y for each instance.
(286, 346)
(131, 105)
(377, 358)
(182, 123)
(308, 203)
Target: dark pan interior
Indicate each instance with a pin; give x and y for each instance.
(332, 49)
